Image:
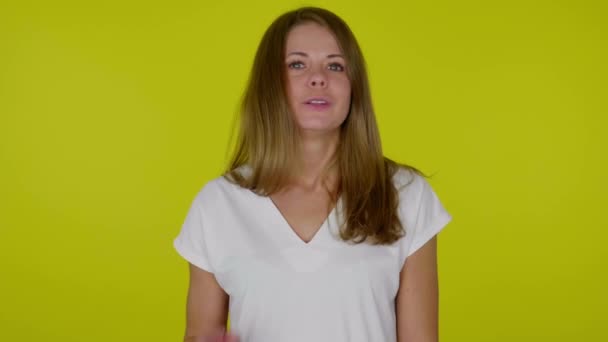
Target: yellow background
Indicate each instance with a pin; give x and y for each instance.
(113, 114)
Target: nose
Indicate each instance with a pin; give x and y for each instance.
(317, 79)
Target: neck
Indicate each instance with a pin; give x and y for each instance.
(317, 151)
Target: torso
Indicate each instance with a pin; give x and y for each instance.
(280, 286)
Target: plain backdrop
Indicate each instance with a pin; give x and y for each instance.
(113, 114)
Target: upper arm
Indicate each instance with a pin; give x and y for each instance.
(207, 304)
(417, 298)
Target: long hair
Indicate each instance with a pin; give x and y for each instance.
(268, 140)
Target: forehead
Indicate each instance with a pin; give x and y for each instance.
(311, 37)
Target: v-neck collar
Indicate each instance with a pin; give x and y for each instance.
(286, 227)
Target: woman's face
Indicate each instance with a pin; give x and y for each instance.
(318, 87)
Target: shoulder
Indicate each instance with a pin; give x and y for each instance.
(217, 192)
(417, 197)
(409, 183)
(223, 193)
(421, 212)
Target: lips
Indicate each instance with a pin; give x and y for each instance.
(319, 101)
(317, 104)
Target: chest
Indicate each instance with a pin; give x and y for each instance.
(333, 270)
(255, 250)
(303, 293)
(304, 213)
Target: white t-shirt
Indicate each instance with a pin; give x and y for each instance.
(283, 289)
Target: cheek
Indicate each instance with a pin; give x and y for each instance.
(344, 87)
(291, 93)
(345, 92)
(294, 88)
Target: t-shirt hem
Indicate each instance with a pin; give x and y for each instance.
(429, 233)
(191, 257)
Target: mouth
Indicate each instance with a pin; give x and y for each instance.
(317, 103)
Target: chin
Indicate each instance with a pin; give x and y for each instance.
(319, 129)
(318, 123)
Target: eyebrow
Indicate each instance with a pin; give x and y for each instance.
(306, 55)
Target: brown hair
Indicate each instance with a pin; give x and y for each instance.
(268, 138)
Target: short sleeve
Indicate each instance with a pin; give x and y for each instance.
(191, 243)
(422, 213)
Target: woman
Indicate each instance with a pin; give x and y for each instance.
(307, 234)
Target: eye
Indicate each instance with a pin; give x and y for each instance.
(336, 67)
(295, 65)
